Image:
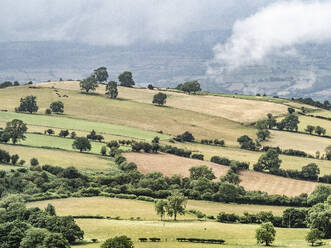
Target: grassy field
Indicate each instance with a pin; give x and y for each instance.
(170, 164)
(325, 113)
(251, 180)
(235, 235)
(98, 108)
(288, 162)
(61, 158)
(307, 143)
(239, 109)
(306, 120)
(74, 124)
(126, 209)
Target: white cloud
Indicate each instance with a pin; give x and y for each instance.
(275, 29)
(116, 22)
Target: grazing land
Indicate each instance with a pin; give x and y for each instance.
(251, 180)
(236, 235)
(60, 157)
(239, 110)
(170, 164)
(125, 209)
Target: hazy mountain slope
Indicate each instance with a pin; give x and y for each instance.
(306, 74)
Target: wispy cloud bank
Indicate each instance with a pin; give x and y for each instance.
(275, 29)
(116, 22)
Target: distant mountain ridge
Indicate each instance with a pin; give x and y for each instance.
(166, 65)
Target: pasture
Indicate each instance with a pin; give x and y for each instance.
(251, 180)
(61, 158)
(239, 109)
(75, 124)
(125, 114)
(125, 208)
(288, 162)
(236, 235)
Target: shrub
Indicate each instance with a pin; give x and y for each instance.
(14, 159)
(220, 160)
(48, 111)
(119, 159)
(197, 156)
(34, 162)
(103, 151)
(118, 242)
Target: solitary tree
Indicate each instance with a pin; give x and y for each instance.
(310, 171)
(270, 160)
(159, 98)
(309, 129)
(125, 79)
(28, 104)
(160, 208)
(82, 144)
(88, 84)
(320, 130)
(111, 89)
(176, 204)
(50, 131)
(265, 233)
(16, 130)
(191, 86)
(271, 121)
(101, 74)
(64, 133)
(57, 107)
(313, 236)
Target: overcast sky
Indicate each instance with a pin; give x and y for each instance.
(259, 27)
(117, 22)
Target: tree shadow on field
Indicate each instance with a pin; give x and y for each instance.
(91, 93)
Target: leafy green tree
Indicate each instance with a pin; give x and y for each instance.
(231, 177)
(202, 171)
(103, 151)
(125, 79)
(263, 134)
(82, 144)
(161, 208)
(270, 160)
(16, 129)
(320, 194)
(14, 158)
(159, 98)
(262, 124)
(55, 240)
(246, 143)
(118, 242)
(291, 122)
(57, 107)
(64, 133)
(310, 171)
(50, 131)
(89, 83)
(101, 74)
(271, 121)
(319, 217)
(34, 162)
(186, 136)
(176, 204)
(111, 89)
(50, 209)
(228, 192)
(190, 86)
(294, 217)
(320, 130)
(313, 236)
(265, 234)
(290, 110)
(28, 104)
(73, 135)
(309, 129)
(48, 111)
(34, 238)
